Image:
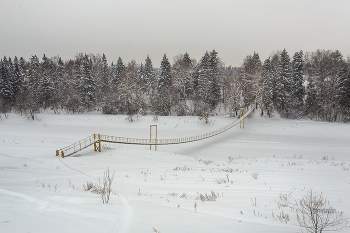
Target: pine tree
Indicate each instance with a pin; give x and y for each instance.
(298, 89)
(12, 81)
(204, 88)
(162, 100)
(87, 84)
(47, 86)
(130, 100)
(140, 73)
(148, 75)
(311, 100)
(6, 82)
(215, 91)
(104, 74)
(164, 79)
(17, 76)
(250, 80)
(343, 93)
(22, 85)
(33, 97)
(119, 69)
(61, 75)
(283, 86)
(186, 71)
(268, 84)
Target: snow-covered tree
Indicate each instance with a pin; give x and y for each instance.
(161, 101)
(164, 79)
(47, 86)
(105, 75)
(311, 106)
(87, 84)
(208, 90)
(284, 84)
(250, 80)
(7, 90)
(183, 90)
(33, 76)
(130, 97)
(298, 89)
(148, 75)
(215, 91)
(267, 89)
(343, 93)
(119, 69)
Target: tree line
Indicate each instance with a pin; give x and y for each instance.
(314, 85)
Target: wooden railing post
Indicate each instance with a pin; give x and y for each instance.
(99, 143)
(95, 146)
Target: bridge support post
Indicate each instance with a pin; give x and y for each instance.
(150, 137)
(57, 152)
(95, 146)
(62, 153)
(240, 115)
(97, 143)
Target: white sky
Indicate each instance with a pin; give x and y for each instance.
(132, 29)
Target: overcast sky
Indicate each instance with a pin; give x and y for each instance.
(132, 29)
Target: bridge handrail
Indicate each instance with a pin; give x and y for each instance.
(88, 141)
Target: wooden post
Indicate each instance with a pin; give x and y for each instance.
(95, 148)
(99, 143)
(62, 153)
(241, 114)
(156, 139)
(57, 153)
(150, 137)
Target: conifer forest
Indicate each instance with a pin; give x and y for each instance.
(313, 85)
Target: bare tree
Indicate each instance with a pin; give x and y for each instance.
(105, 189)
(315, 214)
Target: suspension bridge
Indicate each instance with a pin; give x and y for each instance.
(96, 139)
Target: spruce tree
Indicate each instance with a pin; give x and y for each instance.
(311, 100)
(250, 79)
(343, 93)
(215, 91)
(119, 69)
(87, 84)
(298, 89)
(162, 100)
(17, 76)
(164, 79)
(33, 76)
(268, 84)
(186, 72)
(6, 82)
(148, 75)
(204, 88)
(140, 73)
(47, 86)
(283, 85)
(104, 74)
(23, 87)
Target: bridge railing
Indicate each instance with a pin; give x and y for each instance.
(124, 140)
(75, 147)
(82, 144)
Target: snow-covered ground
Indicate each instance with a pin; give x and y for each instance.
(158, 190)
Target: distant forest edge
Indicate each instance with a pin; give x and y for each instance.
(314, 85)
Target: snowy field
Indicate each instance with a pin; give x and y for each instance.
(158, 190)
